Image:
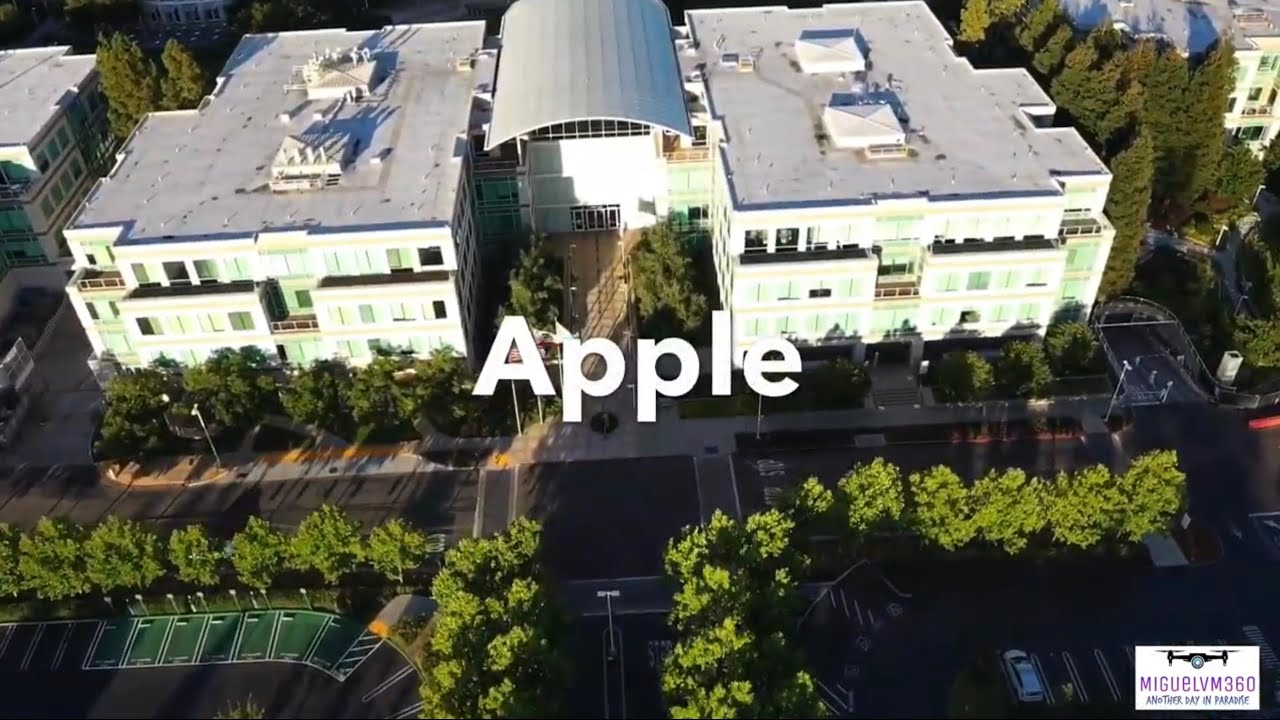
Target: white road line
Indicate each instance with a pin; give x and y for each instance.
(831, 597)
(409, 712)
(834, 697)
(733, 478)
(697, 488)
(604, 667)
(164, 644)
(4, 643)
(514, 512)
(871, 619)
(1107, 675)
(373, 649)
(315, 642)
(275, 634)
(858, 609)
(62, 647)
(1129, 651)
(1080, 688)
(386, 684)
(844, 600)
(1044, 679)
(475, 525)
(93, 645)
(622, 672)
(31, 649)
(204, 635)
(235, 644)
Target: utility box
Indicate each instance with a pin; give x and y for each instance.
(1229, 367)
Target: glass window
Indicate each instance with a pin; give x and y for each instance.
(46, 206)
(148, 326)
(176, 272)
(206, 270)
(401, 312)
(1005, 279)
(211, 323)
(755, 327)
(949, 282)
(1254, 94)
(64, 137)
(1003, 313)
(237, 268)
(140, 273)
(437, 309)
(240, 320)
(1029, 312)
(814, 239)
(366, 314)
(978, 280)
(757, 241)
(399, 259)
(787, 240)
(93, 311)
(113, 310)
(1036, 278)
(430, 256)
(302, 299)
(938, 317)
(1072, 290)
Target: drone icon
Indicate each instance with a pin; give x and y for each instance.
(1198, 659)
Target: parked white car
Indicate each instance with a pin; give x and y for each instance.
(1023, 676)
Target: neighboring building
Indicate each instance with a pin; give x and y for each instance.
(52, 137)
(1192, 27)
(185, 14)
(871, 188)
(315, 205)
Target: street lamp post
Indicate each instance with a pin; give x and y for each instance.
(759, 413)
(141, 604)
(203, 602)
(306, 597)
(1119, 384)
(195, 410)
(235, 599)
(173, 602)
(1246, 286)
(515, 406)
(608, 596)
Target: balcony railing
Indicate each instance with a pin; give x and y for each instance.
(296, 323)
(1079, 227)
(90, 279)
(987, 246)
(494, 166)
(1256, 110)
(890, 287)
(687, 155)
(14, 189)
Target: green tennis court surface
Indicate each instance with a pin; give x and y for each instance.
(255, 639)
(220, 639)
(112, 644)
(148, 641)
(184, 640)
(334, 643)
(297, 633)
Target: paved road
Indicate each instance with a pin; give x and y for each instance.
(1152, 369)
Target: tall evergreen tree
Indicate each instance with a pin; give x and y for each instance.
(1240, 172)
(975, 18)
(1048, 59)
(1127, 206)
(1211, 84)
(1039, 25)
(1087, 88)
(185, 82)
(1164, 97)
(130, 82)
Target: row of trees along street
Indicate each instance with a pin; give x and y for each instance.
(1024, 369)
(384, 401)
(58, 559)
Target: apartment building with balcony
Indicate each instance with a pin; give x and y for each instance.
(186, 14)
(315, 205)
(52, 138)
(1252, 27)
(869, 186)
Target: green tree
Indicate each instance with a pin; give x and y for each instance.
(258, 553)
(1258, 341)
(495, 651)
(247, 710)
(14, 24)
(383, 398)
(975, 18)
(129, 81)
(10, 578)
(942, 507)
(1212, 83)
(841, 383)
(122, 554)
(195, 556)
(1082, 508)
(1022, 371)
(394, 546)
(1008, 509)
(808, 504)
(1271, 165)
(328, 542)
(318, 394)
(872, 497)
(1127, 205)
(1037, 26)
(133, 419)
(1072, 349)
(51, 560)
(537, 288)
(1154, 489)
(1087, 87)
(1164, 95)
(185, 83)
(236, 384)
(664, 283)
(962, 376)
(1048, 59)
(274, 16)
(1240, 173)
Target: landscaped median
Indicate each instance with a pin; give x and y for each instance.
(839, 385)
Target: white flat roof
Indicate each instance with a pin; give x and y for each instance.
(33, 83)
(966, 128)
(1191, 26)
(204, 174)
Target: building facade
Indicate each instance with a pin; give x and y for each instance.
(316, 205)
(181, 14)
(52, 139)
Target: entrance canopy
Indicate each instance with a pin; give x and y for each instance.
(568, 60)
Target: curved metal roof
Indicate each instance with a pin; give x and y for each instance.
(566, 60)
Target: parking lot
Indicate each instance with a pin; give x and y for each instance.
(295, 663)
(762, 476)
(437, 502)
(607, 519)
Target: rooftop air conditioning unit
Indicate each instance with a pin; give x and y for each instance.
(746, 63)
(465, 63)
(695, 76)
(729, 59)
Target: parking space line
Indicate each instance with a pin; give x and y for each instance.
(8, 635)
(733, 478)
(844, 601)
(1044, 679)
(858, 609)
(834, 699)
(316, 642)
(604, 666)
(128, 646)
(1129, 651)
(1074, 673)
(31, 648)
(1107, 675)
(62, 647)
(409, 712)
(382, 687)
(93, 645)
(622, 673)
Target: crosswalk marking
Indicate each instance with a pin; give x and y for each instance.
(1254, 633)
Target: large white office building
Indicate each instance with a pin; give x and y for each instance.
(337, 193)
